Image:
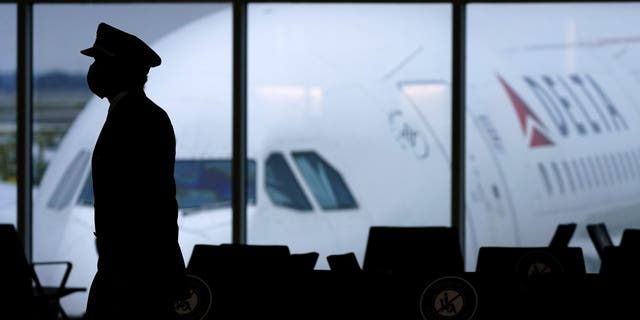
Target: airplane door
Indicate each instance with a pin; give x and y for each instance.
(490, 215)
(488, 209)
(429, 101)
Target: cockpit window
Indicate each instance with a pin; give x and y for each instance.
(68, 185)
(282, 187)
(200, 184)
(86, 196)
(325, 182)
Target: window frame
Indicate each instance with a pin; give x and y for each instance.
(24, 105)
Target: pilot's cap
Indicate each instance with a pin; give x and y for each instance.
(115, 43)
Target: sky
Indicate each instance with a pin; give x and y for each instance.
(62, 30)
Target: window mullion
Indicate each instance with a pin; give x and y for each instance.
(24, 109)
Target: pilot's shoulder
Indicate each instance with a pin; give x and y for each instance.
(154, 110)
(160, 114)
(159, 117)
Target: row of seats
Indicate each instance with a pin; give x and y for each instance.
(392, 249)
(414, 273)
(408, 272)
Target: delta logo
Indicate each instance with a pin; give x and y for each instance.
(576, 105)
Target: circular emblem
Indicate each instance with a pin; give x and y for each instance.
(198, 301)
(448, 298)
(538, 263)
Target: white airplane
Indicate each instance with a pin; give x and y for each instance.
(552, 113)
(349, 126)
(8, 197)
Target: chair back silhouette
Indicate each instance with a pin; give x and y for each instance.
(344, 263)
(600, 237)
(259, 258)
(246, 281)
(527, 262)
(623, 261)
(232, 258)
(17, 298)
(562, 236)
(413, 251)
(303, 262)
(15, 272)
(631, 239)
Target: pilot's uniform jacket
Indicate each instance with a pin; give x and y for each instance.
(140, 265)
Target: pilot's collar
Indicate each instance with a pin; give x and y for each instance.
(117, 99)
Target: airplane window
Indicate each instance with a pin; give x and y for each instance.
(67, 186)
(86, 196)
(207, 184)
(8, 114)
(200, 184)
(326, 183)
(282, 186)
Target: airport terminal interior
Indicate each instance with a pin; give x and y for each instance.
(387, 160)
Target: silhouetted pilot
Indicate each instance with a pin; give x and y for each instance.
(140, 266)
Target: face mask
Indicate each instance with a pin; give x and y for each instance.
(97, 79)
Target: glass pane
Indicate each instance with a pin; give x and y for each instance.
(282, 187)
(325, 182)
(193, 85)
(8, 168)
(551, 131)
(365, 88)
(201, 185)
